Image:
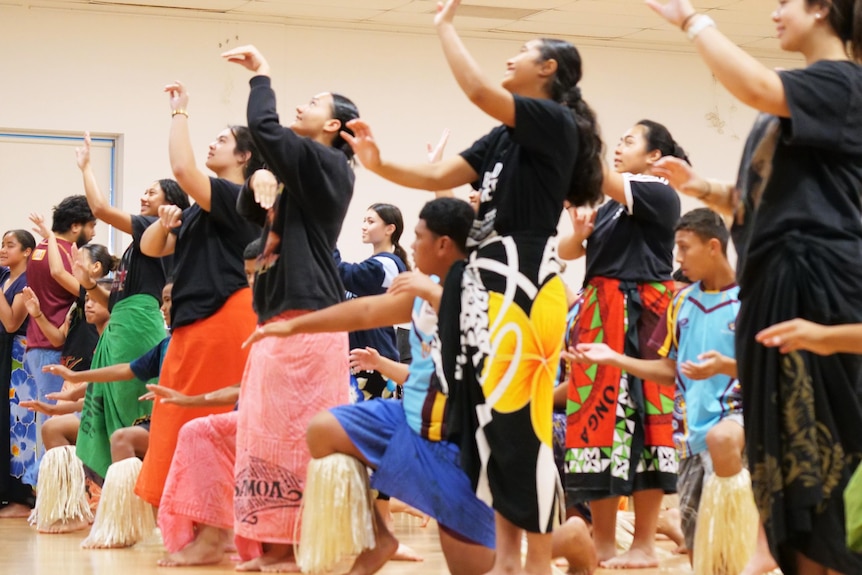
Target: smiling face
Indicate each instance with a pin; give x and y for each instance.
(11, 251)
(526, 70)
(374, 230)
(153, 197)
(794, 21)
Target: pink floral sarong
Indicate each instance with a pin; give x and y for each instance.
(286, 382)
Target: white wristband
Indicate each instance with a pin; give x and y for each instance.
(700, 24)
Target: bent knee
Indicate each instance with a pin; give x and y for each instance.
(726, 438)
(320, 432)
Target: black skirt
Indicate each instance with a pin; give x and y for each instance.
(803, 412)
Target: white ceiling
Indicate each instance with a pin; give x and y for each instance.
(622, 23)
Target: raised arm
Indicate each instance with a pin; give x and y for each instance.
(56, 336)
(443, 175)
(747, 79)
(100, 207)
(157, 240)
(661, 371)
(190, 178)
(490, 97)
(354, 315)
(55, 259)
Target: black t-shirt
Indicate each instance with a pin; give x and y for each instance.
(81, 339)
(816, 177)
(208, 264)
(296, 270)
(524, 172)
(635, 242)
(139, 273)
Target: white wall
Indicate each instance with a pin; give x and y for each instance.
(69, 71)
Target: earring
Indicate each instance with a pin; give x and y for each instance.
(817, 15)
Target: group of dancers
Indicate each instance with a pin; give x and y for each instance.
(525, 408)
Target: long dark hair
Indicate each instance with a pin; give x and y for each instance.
(845, 17)
(658, 137)
(586, 185)
(344, 110)
(174, 194)
(245, 143)
(391, 215)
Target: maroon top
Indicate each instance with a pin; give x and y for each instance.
(54, 300)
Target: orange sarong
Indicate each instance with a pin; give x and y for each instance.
(202, 357)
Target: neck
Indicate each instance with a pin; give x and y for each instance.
(534, 92)
(65, 236)
(829, 48)
(445, 271)
(101, 327)
(721, 277)
(233, 174)
(17, 269)
(387, 247)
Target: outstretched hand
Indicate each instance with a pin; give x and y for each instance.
(367, 359)
(413, 283)
(363, 144)
(796, 334)
(61, 371)
(674, 11)
(179, 96)
(680, 176)
(50, 409)
(248, 57)
(82, 154)
(31, 302)
(709, 364)
(446, 12)
(590, 353)
(168, 395)
(283, 328)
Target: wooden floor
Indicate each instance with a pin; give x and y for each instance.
(25, 552)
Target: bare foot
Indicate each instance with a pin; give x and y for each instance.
(397, 506)
(66, 526)
(669, 525)
(573, 541)
(371, 560)
(634, 558)
(18, 510)
(606, 552)
(277, 557)
(405, 553)
(206, 549)
(104, 545)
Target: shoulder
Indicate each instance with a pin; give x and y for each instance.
(388, 258)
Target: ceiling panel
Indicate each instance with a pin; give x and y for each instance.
(628, 22)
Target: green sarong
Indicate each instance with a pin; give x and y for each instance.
(136, 326)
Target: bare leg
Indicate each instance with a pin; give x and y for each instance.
(604, 514)
(641, 555)
(808, 567)
(396, 506)
(129, 442)
(762, 561)
(206, 549)
(15, 511)
(538, 554)
(60, 430)
(404, 552)
(371, 560)
(507, 559)
(573, 541)
(669, 526)
(464, 558)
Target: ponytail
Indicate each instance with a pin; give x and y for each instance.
(586, 185)
(344, 110)
(100, 254)
(845, 18)
(658, 138)
(391, 215)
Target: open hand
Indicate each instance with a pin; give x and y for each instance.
(266, 188)
(435, 154)
(710, 363)
(39, 225)
(62, 371)
(674, 11)
(363, 144)
(179, 96)
(590, 353)
(367, 359)
(82, 154)
(446, 12)
(796, 334)
(248, 57)
(413, 283)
